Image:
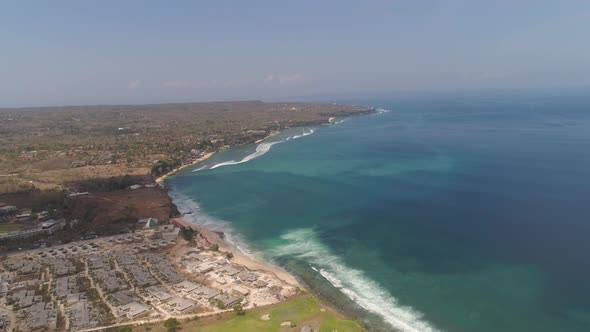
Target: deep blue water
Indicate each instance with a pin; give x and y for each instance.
(453, 213)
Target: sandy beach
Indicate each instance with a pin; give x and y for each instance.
(240, 258)
(271, 134)
(206, 156)
(212, 237)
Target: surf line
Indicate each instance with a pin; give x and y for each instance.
(261, 150)
(304, 244)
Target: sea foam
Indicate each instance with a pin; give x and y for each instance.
(305, 133)
(368, 294)
(195, 215)
(261, 150)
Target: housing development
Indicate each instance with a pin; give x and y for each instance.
(146, 276)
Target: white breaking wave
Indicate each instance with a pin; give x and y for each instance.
(261, 150)
(200, 168)
(303, 244)
(382, 110)
(305, 133)
(193, 214)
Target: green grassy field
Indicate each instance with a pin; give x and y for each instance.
(9, 227)
(301, 311)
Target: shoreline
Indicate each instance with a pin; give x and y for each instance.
(252, 263)
(271, 134)
(330, 121)
(255, 263)
(160, 180)
(213, 237)
(239, 257)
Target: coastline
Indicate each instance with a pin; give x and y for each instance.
(213, 237)
(256, 263)
(239, 257)
(271, 134)
(160, 180)
(331, 120)
(252, 263)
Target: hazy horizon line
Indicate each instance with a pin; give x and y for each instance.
(333, 97)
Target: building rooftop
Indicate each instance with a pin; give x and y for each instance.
(242, 291)
(124, 297)
(134, 309)
(159, 292)
(186, 286)
(180, 305)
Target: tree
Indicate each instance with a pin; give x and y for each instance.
(214, 247)
(187, 233)
(239, 310)
(217, 303)
(171, 324)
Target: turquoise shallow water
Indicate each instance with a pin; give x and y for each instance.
(451, 213)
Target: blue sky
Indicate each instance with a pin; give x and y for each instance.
(105, 52)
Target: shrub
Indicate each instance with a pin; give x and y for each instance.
(171, 324)
(187, 233)
(217, 303)
(239, 310)
(164, 166)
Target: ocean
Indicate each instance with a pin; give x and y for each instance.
(450, 212)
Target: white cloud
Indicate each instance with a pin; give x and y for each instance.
(134, 84)
(176, 84)
(283, 79)
(235, 83)
(290, 78)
